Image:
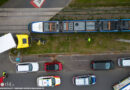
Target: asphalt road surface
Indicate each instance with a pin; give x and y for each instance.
(105, 79)
(73, 66)
(26, 4)
(16, 20)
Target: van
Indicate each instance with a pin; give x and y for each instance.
(124, 62)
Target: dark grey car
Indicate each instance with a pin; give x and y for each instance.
(102, 65)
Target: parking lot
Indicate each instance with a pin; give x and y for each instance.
(72, 66)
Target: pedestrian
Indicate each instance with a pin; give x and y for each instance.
(89, 39)
(4, 74)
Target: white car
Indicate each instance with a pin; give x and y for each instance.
(27, 67)
(84, 80)
(124, 62)
(48, 81)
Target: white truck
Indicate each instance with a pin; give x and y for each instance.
(123, 85)
(8, 41)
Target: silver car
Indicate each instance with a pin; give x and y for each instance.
(27, 67)
(84, 80)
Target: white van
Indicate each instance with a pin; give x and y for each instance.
(124, 62)
(123, 85)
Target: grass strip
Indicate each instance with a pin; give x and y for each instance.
(2, 2)
(77, 43)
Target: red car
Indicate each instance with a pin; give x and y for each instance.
(53, 66)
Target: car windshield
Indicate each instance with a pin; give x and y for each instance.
(52, 67)
(90, 80)
(107, 65)
(53, 81)
(30, 67)
(56, 67)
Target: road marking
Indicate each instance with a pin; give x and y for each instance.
(20, 88)
(44, 61)
(81, 60)
(37, 3)
(41, 71)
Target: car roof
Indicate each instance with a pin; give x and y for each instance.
(52, 67)
(82, 81)
(23, 67)
(102, 65)
(126, 62)
(45, 82)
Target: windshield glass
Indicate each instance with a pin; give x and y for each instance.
(53, 81)
(56, 67)
(30, 67)
(90, 80)
(107, 65)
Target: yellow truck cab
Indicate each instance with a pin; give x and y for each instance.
(9, 41)
(22, 40)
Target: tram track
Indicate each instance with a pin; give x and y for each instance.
(16, 20)
(93, 13)
(13, 28)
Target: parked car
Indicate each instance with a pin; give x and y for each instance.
(53, 66)
(124, 62)
(27, 67)
(102, 65)
(48, 81)
(84, 80)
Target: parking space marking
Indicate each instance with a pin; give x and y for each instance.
(81, 60)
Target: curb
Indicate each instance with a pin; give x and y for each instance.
(10, 58)
(54, 56)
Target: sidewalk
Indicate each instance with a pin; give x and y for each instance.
(76, 62)
(31, 58)
(5, 64)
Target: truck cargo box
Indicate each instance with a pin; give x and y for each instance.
(7, 42)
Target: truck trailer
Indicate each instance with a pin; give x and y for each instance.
(8, 41)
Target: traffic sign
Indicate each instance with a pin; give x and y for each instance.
(37, 3)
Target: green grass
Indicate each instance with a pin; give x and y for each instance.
(2, 2)
(77, 43)
(98, 3)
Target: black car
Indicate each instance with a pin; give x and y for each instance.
(102, 65)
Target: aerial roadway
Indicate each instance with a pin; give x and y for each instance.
(35, 3)
(20, 77)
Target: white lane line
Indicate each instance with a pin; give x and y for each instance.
(20, 88)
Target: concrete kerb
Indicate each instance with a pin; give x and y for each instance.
(11, 58)
(31, 58)
(51, 57)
